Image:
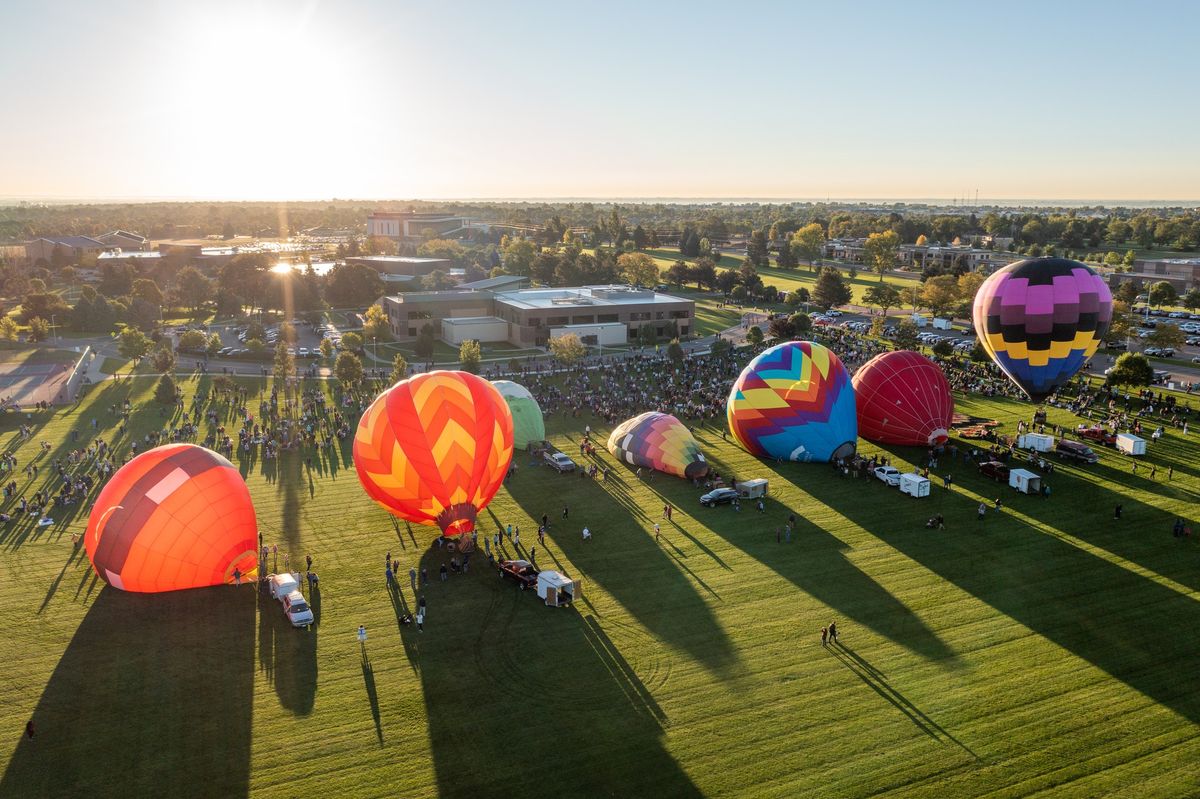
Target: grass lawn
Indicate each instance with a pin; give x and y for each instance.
(1047, 650)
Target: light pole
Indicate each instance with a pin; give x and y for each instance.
(53, 330)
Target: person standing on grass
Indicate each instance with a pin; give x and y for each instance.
(542, 536)
(29, 729)
(566, 511)
(412, 578)
(833, 632)
(546, 521)
(445, 572)
(424, 575)
(824, 636)
(1117, 511)
(997, 504)
(657, 532)
(587, 534)
(421, 620)
(362, 636)
(982, 511)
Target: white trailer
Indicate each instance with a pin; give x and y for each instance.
(1025, 481)
(752, 489)
(914, 485)
(557, 589)
(1131, 444)
(942, 324)
(1038, 442)
(918, 320)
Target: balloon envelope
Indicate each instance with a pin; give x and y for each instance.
(658, 441)
(1041, 319)
(434, 449)
(903, 398)
(794, 402)
(178, 516)
(528, 424)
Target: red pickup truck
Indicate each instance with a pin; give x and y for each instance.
(524, 572)
(1096, 433)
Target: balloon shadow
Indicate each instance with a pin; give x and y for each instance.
(152, 697)
(287, 655)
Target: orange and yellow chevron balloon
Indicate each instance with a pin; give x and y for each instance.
(434, 449)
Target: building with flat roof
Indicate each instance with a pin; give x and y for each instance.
(1182, 273)
(70, 248)
(128, 242)
(402, 264)
(532, 316)
(411, 226)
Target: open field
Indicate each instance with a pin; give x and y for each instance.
(1048, 650)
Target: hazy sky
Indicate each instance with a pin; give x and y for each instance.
(267, 99)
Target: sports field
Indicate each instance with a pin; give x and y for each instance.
(1048, 650)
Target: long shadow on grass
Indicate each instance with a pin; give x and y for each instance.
(1137, 630)
(815, 561)
(635, 570)
(514, 688)
(152, 697)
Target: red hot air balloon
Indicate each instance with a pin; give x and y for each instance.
(174, 517)
(434, 449)
(903, 398)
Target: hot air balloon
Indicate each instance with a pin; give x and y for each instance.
(658, 441)
(794, 402)
(174, 517)
(528, 424)
(434, 449)
(1041, 319)
(903, 398)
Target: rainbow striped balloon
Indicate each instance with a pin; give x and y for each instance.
(434, 449)
(794, 402)
(658, 441)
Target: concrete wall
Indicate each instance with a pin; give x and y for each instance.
(455, 332)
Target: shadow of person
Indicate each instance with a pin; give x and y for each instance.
(502, 674)
(152, 697)
(368, 673)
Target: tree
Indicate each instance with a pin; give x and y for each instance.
(214, 344)
(647, 336)
(979, 354)
(757, 248)
(721, 346)
(326, 347)
(883, 296)
(256, 345)
(678, 274)
(162, 357)
(704, 273)
(1120, 328)
(518, 256)
(808, 242)
(912, 295)
(675, 352)
(1130, 258)
(567, 349)
(437, 280)
(285, 364)
(1191, 300)
(376, 325)
(943, 348)
(1131, 369)
(166, 392)
(786, 259)
(133, 343)
(148, 290)
(940, 294)
(194, 289)
(44, 306)
(193, 341)
(352, 341)
(906, 335)
(470, 355)
(1128, 291)
(881, 251)
(968, 287)
(8, 328)
(353, 286)
(801, 323)
(39, 329)
(1166, 336)
(922, 241)
(424, 344)
(754, 335)
(399, 369)
(348, 368)
(1162, 293)
(781, 328)
(831, 289)
(638, 268)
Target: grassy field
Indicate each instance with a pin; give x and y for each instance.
(1048, 650)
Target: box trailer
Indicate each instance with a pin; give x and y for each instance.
(1131, 444)
(914, 485)
(752, 489)
(1025, 481)
(557, 589)
(942, 324)
(1036, 441)
(918, 320)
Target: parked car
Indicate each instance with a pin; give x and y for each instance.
(1096, 433)
(995, 470)
(296, 608)
(558, 461)
(524, 572)
(888, 474)
(718, 496)
(302, 352)
(1119, 346)
(1073, 450)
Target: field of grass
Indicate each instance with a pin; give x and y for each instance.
(1048, 650)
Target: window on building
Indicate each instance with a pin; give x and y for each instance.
(680, 314)
(607, 317)
(556, 320)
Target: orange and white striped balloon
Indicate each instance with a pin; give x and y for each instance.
(434, 449)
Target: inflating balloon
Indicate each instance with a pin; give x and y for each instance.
(174, 517)
(794, 402)
(658, 441)
(903, 398)
(528, 424)
(1041, 319)
(434, 449)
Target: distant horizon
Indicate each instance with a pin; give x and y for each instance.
(940, 202)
